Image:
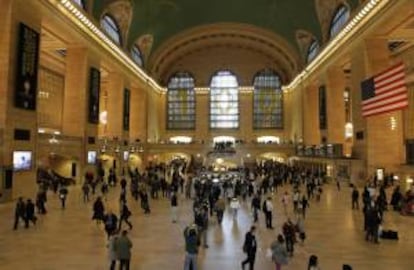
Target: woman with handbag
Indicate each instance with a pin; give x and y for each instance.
(279, 252)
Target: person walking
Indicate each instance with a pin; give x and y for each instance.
(250, 247)
(191, 247)
(19, 213)
(30, 213)
(201, 219)
(285, 201)
(63, 193)
(313, 263)
(268, 211)
(174, 207)
(112, 251)
(289, 233)
(124, 215)
(303, 205)
(111, 220)
(123, 247)
(256, 207)
(98, 211)
(355, 198)
(234, 206)
(220, 206)
(279, 252)
(85, 191)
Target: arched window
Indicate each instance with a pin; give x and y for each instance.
(136, 55)
(224, 100)
(339, 19)
(181, 102)
(267, 100)
(110, 26)
(80, 3)
(313, 50)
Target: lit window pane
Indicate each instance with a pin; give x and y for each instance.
(80, 3)
(267, 101)
(224, 100)
(339, 20)
(312, 51)
(136, 55)
(181, 102)
(109, 25)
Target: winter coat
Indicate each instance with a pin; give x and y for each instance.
(112, 248)
(279, 253)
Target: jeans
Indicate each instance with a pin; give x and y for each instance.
(190, 259)
(112, 265)
(249, 260)
(124, 264)
(174, 215)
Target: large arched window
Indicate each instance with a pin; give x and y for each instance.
(267, 100)
(224, 100)
(313, 50)
(137, 55)
(80, 3)
(181, 102)
(339, 20)
(110, 26)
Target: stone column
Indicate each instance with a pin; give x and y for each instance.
(138, 115)
(310, 116)
(335, 87)
(13, 12)
(115, 102)
(383, 134)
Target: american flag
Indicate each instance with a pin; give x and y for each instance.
(385, 92)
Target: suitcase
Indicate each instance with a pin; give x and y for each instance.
(389, 234)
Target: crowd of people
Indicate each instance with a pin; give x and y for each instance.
(213, 194)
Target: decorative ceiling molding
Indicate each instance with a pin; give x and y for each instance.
(231, 35)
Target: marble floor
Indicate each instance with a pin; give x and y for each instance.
(68, 239)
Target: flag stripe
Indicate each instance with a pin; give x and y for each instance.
(384, 73)
(391, 87)
(394, 107)
(390, 73)
(389, 81)
(385, 102)
(385, 92)
(399, 91)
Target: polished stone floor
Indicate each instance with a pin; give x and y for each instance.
(68, 239)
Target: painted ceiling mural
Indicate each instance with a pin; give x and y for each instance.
(162, 19)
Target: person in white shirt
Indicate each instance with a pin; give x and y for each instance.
(234, 206)
(296, 197)
(268, 211)
(285, 201)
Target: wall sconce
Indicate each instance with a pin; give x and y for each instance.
(53, 140)
(393, 123)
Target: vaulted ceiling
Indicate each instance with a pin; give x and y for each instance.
(155, 23)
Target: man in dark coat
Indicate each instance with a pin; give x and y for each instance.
(250, 247)
(20, 212)
(30, 213)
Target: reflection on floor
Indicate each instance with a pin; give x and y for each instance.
(70, 240)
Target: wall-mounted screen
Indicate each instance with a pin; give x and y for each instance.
(92, 157)
(22, 160)
(126, 155)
